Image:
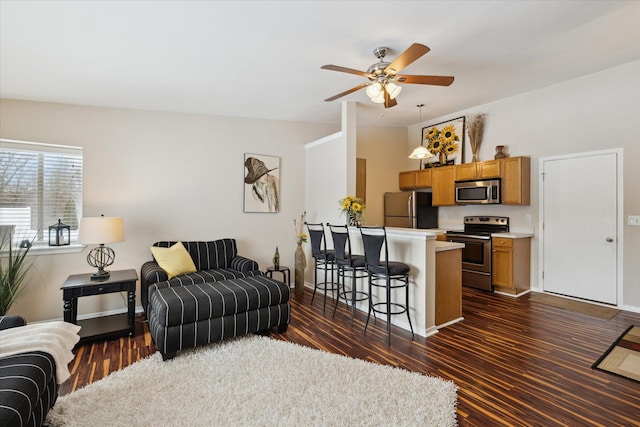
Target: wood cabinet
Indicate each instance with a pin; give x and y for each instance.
(516, 180)
(361, 179)
(448, 306)
(411, 180)
(478, 170)
(407, 180)
(423, 178)
(511, 264)
(443, 186)
(515, 174)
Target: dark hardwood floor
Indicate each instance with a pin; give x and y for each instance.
(515, 361)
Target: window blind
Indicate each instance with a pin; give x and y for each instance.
(39, 184)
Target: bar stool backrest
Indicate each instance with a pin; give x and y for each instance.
(373, 240)
(341, 244)
(318, 241)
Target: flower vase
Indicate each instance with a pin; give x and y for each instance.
(301, 264)
(476, 157)
(443, 158)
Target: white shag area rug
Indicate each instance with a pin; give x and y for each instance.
(259, 381)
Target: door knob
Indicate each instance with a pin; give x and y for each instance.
(609, 239)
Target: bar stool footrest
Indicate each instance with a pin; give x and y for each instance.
(360, 296)
(384, 304)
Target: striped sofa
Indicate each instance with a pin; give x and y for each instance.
(28, 387)
(228, 296)
(215, 260)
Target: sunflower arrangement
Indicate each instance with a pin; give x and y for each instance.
(353, 208)
(442, 141)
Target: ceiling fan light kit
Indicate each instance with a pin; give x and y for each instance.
(373, 90)
(393, 90)
(378, 99)
(381, 88)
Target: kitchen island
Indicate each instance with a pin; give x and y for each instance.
(418, 249)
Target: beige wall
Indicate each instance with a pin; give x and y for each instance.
(170, 176)
(385, 150)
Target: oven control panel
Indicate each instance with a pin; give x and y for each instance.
(487, 220)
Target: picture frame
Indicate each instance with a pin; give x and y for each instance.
(261, 183)
(432, 138)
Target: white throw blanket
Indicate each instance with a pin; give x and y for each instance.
(56, 338)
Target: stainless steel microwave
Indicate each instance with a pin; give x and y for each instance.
(478, 192)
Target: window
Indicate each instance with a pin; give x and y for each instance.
(39, 184)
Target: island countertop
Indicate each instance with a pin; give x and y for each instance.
(397, 231)
(447, 246)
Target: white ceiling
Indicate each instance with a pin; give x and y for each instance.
(262, 59)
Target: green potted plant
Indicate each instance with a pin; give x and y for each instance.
(14, 266)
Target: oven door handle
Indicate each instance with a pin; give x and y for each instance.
(470, 236)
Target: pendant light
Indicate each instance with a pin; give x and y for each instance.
(421, 151)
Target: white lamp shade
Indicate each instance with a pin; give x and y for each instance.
(393, 90)
(101, 229)
(379, 99)
(373, 91)
(420, 152)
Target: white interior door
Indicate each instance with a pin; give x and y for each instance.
(579, 214)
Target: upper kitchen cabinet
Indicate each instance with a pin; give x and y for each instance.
(516, 180)
(514, 172)
(407, 180)
(412, 180)
(423, 178)
(478, 170)
(443, 186)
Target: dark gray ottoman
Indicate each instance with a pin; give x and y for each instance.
(187, 316)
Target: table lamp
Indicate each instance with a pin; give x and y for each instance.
(101, 230)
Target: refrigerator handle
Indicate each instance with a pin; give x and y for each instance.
(410, 205)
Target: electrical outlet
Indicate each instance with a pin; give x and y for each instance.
(633, 220)
(527, 219)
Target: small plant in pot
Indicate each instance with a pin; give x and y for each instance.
(14, 266)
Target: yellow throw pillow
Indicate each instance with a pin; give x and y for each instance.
(174, 260)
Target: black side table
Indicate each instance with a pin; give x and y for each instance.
(81, 285)
(286, 273)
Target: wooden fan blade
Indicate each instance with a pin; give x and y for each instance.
(388, 102)
(426, 80)
(343, 69)
(346, 92)
(414, 52)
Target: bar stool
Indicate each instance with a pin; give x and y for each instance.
(322, 259)
(382, 274)
(348, 265)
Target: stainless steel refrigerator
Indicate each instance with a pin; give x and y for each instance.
(410, 209)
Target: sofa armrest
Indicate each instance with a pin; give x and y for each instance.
(150, 273)
(243, 264)
(7, 322)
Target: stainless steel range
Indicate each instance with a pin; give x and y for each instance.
(476, 255)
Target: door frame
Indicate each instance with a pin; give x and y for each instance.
(619, 218)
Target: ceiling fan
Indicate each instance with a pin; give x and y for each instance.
(383, 76)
